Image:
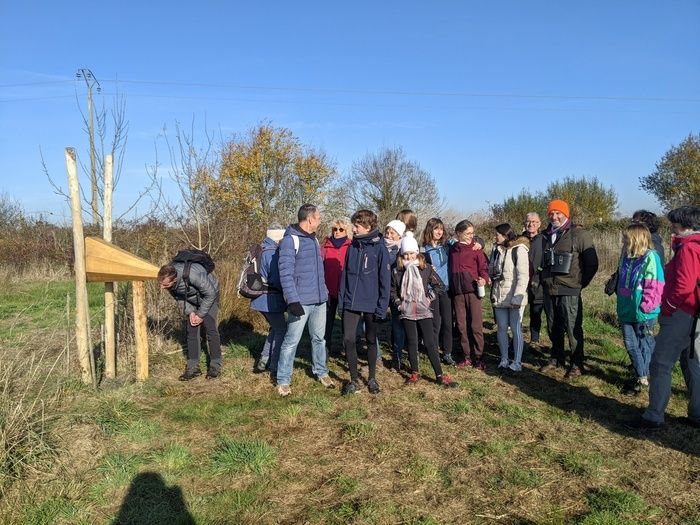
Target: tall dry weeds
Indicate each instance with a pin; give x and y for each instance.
(28, 393)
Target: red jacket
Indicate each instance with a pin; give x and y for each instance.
(333, 264)
(465, 266)
(682, 275)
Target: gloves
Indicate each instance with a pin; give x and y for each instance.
(296, 309)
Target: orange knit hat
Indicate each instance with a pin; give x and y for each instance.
(560, 206)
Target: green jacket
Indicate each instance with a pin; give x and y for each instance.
(572, 240)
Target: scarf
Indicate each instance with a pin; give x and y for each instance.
(337, 243)
(390, 245)
(415, 303)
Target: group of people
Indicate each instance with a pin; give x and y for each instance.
(365, 275)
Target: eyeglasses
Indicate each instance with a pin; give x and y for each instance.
(341, 230)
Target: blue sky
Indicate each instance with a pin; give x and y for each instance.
(489, 97)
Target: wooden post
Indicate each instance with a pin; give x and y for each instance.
(110, 347)
(140, 329)
(82, 319)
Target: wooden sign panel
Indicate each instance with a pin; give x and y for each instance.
(105, 262)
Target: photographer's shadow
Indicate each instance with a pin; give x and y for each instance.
(150, 501)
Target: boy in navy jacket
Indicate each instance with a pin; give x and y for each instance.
(364, 294)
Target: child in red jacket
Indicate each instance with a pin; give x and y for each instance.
(468, 270)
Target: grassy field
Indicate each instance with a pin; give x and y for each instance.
(525, 449)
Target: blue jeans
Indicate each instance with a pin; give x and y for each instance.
(639, 342)
(512, 317)
(271, 348)
(315, 317)
(673, 343)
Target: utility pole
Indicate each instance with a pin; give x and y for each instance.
(90, 82)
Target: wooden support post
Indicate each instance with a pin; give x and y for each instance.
(82, 318)
(140, 329)
(110, 347)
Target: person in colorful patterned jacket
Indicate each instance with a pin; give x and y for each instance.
(639, 288)
(680, 308)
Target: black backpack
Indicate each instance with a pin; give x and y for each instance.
(251, 283)
(193, 256)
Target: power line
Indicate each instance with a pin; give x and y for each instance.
(404, 93)
(46, 82)
(34, 98)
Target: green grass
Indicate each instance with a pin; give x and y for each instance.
(525, 449)
(233, 456)
(613, 506)
(39, 305)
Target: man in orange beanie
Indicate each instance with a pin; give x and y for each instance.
(569, 262)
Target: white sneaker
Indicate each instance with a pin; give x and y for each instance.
(284, 390)
(327, 381)
(643, 381)
(503, 364)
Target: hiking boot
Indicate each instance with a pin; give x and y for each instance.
(551, 366)
(260, 366)
(535, 349)
(573, 372)
(213, 373)
(413, 378)
(190, 374)
(448, 360)
(446, 381)
(284, 390)
(632, 388)
(645, 424)
(349, 388)
(327, 381)
(373, 386)
(465, 363)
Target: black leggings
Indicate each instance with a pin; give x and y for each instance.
(442, 322)
(426, 328)
(350, 321)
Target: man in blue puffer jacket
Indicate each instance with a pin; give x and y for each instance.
(364, 294)
(305, 292)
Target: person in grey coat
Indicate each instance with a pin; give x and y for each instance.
(198, 302)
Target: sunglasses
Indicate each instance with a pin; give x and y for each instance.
(341, 230)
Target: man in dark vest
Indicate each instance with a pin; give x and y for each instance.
(569, 262)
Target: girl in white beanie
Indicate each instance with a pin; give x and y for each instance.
(414, 285)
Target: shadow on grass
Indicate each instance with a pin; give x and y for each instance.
(150, 500)
(609, 413)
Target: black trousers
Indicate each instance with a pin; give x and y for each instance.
(442, 322)
(331, 309)
(194, 340)
(426, 327)
(565, 319)
(350, 322)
